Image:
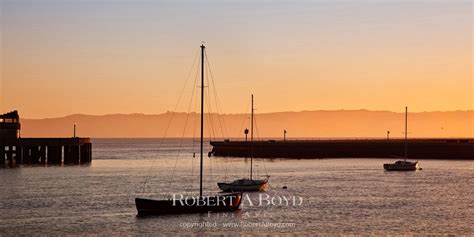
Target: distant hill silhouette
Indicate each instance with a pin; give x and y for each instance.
(322, 124)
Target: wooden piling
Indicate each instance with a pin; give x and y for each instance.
(71, 154)
(34, 155)
(16, 153)
(86, 153)
(2, 155)
(42, 154)
(54, 155)
(89, 147)
(19, 152)
(10, 155)
(75, 154)
(67, 154)
(27, 158)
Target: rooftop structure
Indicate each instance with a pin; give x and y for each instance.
(10, 125)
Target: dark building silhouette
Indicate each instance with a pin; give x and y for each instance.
(10, 125)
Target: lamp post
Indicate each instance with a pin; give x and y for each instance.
(74, 130)
(284, 135)
(388, 135)
(246, 131)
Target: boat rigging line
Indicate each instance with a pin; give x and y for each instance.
(184, 131)
(165, 133)
(258, 138)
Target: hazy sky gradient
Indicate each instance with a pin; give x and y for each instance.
(99, 57)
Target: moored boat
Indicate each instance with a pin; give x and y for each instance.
(246, 184)
(403, 165)
(201, 204)
(198, 204)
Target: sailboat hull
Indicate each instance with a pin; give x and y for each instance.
(401, 166)
(249, 186)
(223, 203)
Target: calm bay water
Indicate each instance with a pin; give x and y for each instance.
(340, 196)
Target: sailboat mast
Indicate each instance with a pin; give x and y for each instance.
(251, 141)
(406, 131)
(202, 115)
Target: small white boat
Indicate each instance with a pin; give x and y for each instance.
(246, 184)
(403, 165)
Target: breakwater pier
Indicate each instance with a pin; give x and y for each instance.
(15, 150)
(53, 151)
(435, 148)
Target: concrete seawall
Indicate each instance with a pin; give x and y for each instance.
(352, 148)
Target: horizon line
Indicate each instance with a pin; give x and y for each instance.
(266, 113)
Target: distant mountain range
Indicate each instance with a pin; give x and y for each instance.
(305, 124)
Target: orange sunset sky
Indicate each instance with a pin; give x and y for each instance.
(61, 57)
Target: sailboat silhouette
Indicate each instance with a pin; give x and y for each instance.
(246, 184)
(199, 204)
